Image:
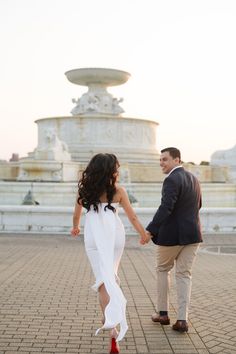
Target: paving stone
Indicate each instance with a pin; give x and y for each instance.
(47, 304)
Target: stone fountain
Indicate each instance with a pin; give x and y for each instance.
(97, 124)
(49, 174)
(66, 144)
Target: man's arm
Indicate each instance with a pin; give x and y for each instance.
(170, 192)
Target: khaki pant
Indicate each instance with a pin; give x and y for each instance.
(182, 257)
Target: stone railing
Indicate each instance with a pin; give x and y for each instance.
(51, 219)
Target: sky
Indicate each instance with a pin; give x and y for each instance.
(181, 55)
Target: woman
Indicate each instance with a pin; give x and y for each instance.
(104, 237)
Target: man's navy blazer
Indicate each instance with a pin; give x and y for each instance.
(176, 221)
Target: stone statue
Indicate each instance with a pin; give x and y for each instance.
(53, 148)
(132, 198)
(29, 199)
(97, 101)
(116, 108)
(88, 102)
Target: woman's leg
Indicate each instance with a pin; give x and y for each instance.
(103, 299)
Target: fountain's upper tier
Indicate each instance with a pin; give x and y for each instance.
(97, 76)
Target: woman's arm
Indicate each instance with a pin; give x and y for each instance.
(76, 219)
(125, 203)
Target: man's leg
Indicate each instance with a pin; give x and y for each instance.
(165, 261)
(184, 263)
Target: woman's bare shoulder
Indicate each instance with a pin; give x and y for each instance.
(120, 189)
(120, 192)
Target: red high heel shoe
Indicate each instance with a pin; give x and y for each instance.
(114, 346)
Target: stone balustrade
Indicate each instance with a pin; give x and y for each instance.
(52, 219)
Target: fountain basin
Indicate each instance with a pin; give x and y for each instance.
(97, 76)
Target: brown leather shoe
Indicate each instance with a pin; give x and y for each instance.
(180, 326)
(164, 320)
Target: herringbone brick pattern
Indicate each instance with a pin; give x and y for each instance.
(47, 306)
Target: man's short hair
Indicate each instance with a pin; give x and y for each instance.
(174, 152)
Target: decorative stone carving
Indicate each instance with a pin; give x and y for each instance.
(97, 100)
(148, 136)
(132, 198)
(130, 135)
(29, 199)
(42, 170)
(53, 148)
(89, 102)
(49, 161)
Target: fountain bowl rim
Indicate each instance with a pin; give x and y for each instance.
(97, 76)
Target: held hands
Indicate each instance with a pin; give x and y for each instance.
(145, 239)
(75, 231)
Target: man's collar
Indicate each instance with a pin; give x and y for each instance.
(174, 169)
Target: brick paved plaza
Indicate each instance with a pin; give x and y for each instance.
(47, 305)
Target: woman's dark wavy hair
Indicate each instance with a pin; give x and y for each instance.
(98, 178)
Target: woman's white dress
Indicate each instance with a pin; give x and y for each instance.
(104, 238)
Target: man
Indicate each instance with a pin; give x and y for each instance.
(176, 231)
